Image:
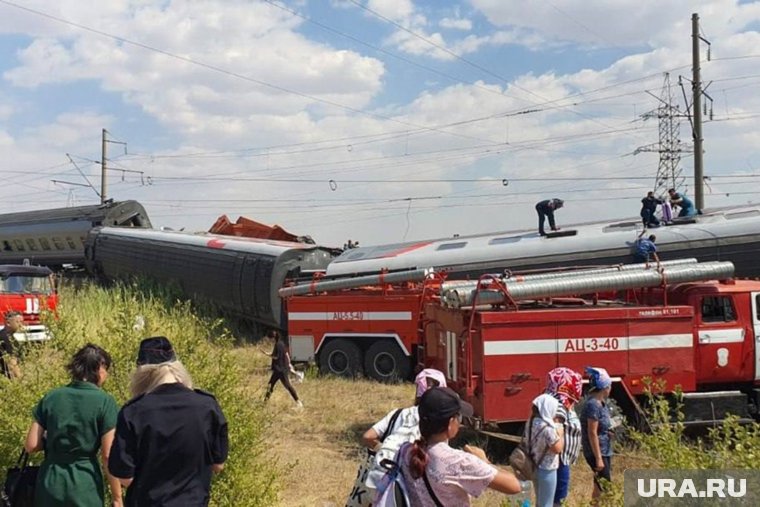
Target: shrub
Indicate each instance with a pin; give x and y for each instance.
(117, 319)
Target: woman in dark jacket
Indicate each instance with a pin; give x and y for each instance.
(170, 438)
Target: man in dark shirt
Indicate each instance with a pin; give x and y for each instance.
(14, 321)
(546, 209)
(169, 440)
(648, 207)
(281, 368)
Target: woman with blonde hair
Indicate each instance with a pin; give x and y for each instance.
(170, 438)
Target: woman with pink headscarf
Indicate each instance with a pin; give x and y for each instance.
(566, 386)
(399, 426)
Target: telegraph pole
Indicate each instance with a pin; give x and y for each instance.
(103, 168)
(696, 85)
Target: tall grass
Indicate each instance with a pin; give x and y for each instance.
(117, 319)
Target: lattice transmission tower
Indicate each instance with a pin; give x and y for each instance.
(669, 172)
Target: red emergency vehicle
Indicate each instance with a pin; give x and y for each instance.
(700, 336)
(373, 331)
(31, 291)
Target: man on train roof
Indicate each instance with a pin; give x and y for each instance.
(546, 209)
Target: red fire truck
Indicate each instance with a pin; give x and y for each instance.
(373, 330)
(496, 340)
(31, 291)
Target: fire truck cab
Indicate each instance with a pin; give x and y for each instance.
(701, 337)
(29, 290)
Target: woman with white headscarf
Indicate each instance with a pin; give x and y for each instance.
(546, 439)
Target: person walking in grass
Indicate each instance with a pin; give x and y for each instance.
(72, 424)
(281, 367)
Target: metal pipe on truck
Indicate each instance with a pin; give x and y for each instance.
(570, 286)
(553, 275)
(415, 275)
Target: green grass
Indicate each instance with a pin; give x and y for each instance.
(110, 318)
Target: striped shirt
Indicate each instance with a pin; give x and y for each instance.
(572, 428)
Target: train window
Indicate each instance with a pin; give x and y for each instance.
(452, 246)
(718, 309)
(355, 255)
(743, 214)
(503, 241)
(71, 243)
(58, 243)
(31, 244)
(7, 246)
(19, 245)
(44, 243)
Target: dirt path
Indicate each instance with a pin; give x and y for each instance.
(320, 443)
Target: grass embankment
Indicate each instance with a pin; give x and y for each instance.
(112, 319)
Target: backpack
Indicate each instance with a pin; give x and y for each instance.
(391, 489)
(521, 460)
(399, 432)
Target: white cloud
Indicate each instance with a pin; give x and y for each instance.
(456, 23)
(212, 123)
(625, 23)
(397, 10)
(253, 40)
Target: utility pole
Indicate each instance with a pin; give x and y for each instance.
(103, 168)
(696, 86)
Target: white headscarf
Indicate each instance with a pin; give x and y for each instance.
(547, 406)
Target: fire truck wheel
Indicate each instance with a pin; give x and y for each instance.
(385, 362)
(340, 357)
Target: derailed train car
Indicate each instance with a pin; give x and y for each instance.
(240, 276)
(56, 237)
(725, 234)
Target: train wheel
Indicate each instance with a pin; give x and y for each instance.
(384, 361)
(340, 357)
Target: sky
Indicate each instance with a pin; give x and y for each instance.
(378, 121)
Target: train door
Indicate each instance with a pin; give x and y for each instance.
(720, 340)
(756, 328)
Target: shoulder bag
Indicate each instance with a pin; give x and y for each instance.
(20, 483)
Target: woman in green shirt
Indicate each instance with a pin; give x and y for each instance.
(71, 423)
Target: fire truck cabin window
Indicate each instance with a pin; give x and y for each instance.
(26, 284)
(717, 309)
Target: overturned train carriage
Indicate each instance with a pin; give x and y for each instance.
(54, 237)
(240, 276)
(725, 234)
